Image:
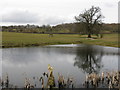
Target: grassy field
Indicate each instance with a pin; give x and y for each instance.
(12, 39)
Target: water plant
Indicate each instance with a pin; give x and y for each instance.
(92, 80)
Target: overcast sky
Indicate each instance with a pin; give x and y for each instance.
(53, 12)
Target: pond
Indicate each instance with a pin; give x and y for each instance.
(72, 60)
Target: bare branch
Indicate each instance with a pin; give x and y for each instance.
(91, 18)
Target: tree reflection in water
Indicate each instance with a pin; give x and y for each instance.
(88, 58)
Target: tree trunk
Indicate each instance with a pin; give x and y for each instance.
(89, 35)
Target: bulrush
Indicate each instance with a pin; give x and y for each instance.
(87, 81)
(112, 80)
(2, 83)
(45, 74)
(65, 83)
(28, 85)
(42, 81)
(93, 80)
(110, 84)
(51, 80)
(6, 81)
(60, 81)
(102, 77)
(108, 77)
(70, 82)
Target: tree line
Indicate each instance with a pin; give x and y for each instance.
(61, 28)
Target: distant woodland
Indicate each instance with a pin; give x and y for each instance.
(67, 28)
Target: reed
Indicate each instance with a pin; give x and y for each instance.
(93, 80)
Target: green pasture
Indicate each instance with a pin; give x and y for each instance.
(12, 39)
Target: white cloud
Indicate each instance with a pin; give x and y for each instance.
(24, 17)
(20, 17)
(53, 19)
(53, 11)
(110, 5)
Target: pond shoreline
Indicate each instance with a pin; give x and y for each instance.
(36, 45)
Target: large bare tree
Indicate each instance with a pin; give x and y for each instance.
(91, 20)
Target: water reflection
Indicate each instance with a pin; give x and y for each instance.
(34, 60)
(88, 58)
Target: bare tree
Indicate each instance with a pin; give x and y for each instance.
(91, 19)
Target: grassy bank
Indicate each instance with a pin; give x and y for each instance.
(12, 39)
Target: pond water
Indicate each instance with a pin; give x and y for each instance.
(72, 60)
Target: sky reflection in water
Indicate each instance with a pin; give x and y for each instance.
(69, 60)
